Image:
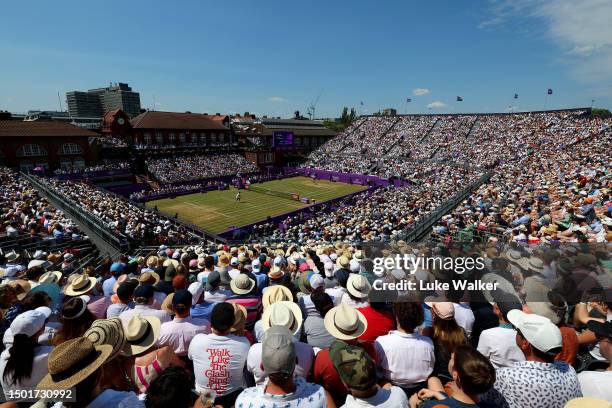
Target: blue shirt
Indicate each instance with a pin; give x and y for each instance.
(202, 310)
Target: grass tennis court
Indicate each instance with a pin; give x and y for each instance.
(218, 211)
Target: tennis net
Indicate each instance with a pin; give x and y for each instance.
(281, 194)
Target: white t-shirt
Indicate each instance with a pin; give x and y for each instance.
(218, 362)
(499, 346)
(464, 317)
(306, 395)
(394, 397)
(405, 358)
(303, 352)
(39, 368)
(596, 384)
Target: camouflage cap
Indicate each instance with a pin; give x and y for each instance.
(354, 365)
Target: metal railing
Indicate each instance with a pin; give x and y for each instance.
(423, 227)
(94, 224)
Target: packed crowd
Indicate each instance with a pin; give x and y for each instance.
(185, 168)
(106, 165)
(477, 140)
(24, 213)
(138, 225)
(382, 214)
(309, 326)
(177, 189)
(555, 196)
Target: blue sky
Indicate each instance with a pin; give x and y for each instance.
(273, 57)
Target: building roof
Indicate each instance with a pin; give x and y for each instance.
(174, 120)
(218, 118)
(298, 131)
(14, 128)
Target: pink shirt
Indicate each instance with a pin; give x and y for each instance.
(178, 333)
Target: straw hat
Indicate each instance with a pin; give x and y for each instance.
(276, 293)
(50, 277)
(240, 317)
(543, 301)
(242, 284)
(283, 313)
(345, 322)
(72, 362)
(343, 262)
(358, 286)
(224, 260)
(148, 278)
(502, 284)
(588, 402)
(167, 304)
(21, 287)
(276, 273)
(107, 331)
(141, 333)
(80, 285)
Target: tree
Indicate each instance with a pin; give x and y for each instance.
(345, 119)
(604, 113)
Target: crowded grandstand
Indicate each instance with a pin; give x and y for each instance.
(125, 305)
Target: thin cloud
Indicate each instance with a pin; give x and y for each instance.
(580, 29)
(276, 99)
(436, 105)
(420, 91)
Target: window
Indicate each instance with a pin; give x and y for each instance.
(147, 138)
(65, 163)
(172, 138)
(159, 138)
(213, 138)
(26, 166)
(78, 163)
(70, 148)
(182, 138)
(30, 150)
(203, 138)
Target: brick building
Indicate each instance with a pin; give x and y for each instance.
(174, 129)
(47, 144)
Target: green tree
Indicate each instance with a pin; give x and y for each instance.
(346, 118)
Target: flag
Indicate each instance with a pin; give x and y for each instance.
(549, 91)
(459, 99)
(515, 96)
(408, 99)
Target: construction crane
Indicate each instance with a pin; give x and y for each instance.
(312, 106)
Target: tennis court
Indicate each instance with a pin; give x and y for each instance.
(218, 211)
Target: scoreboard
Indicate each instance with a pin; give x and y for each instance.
(282, 139)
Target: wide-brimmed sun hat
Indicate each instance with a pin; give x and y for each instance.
(358, 286)
(72, 362)
(502, 284)
(80, 285)
(107, 331)
(21, 287)
(149, 278)
(242, 284)
(276, 293)
(276, 273)
(141, 333)
(50, 277)
(283, 313)
(345, 322)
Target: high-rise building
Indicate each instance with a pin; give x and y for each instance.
(95, 102)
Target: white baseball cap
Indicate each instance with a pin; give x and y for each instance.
(256, 264)
(196, 289)
(234, 261)
(539, 331)
(28, 323)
